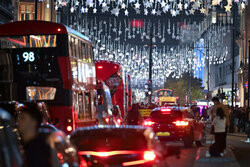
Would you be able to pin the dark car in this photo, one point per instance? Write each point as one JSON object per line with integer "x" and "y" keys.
{"x": 112, "y": 146}
{"x": 63, "y": 152}
{"x": 10, "y": 153}
{"x": 169, "y": 124}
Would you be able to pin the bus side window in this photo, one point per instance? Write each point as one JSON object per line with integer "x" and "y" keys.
{"x": 70, "y": 46}
{"x": 87, "y": 113}
{"x": 83, "y": 52}
{"x": 73, "y": 47}
{"x": 74, "y": 70}
{"x": 76, "y": 48}
{"x": 75, "y": 101}
{"x": 80, "y": 50}
{"x": 87, "y": 52}
{"x": 91, "y": 54}
{"x": 81, "y": 106}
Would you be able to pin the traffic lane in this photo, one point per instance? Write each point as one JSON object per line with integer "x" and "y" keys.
{"x": 187, "y": 156}
{"x": 240, "y": 149}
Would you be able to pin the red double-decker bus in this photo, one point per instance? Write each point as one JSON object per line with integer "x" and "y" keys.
{"x": 130, "y": 100}
{"x": 116, "y": 79}
{"x": 46, "y": 61}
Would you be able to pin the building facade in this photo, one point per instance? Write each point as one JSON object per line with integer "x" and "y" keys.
{"x": 243, "y": 43}
{"x": 6, "y": 11}
{"x": 220, "y": 47}
{"x": 45, "y": 10}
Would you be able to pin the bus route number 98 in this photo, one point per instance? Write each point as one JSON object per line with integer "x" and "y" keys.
{"x": 29, "y": 56}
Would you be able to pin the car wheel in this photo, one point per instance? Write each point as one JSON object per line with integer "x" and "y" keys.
{"x": 188, "y": 140}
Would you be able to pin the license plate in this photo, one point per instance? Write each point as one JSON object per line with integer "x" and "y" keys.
{"x": 163, "y": 134}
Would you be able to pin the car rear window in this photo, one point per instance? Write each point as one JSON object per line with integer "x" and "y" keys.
{"x": 110, "y": 141}
{"x": 162, "y": 115}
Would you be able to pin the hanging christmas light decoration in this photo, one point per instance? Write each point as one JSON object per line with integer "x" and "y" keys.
{"x": 147, "y": 7}
{"x": 115, "y": 43}
{"x": 126, "y": 40}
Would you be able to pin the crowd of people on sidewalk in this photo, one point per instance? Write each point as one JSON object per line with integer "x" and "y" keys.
{"x": 225, "y": 119}
{"x": 239, "y": 120}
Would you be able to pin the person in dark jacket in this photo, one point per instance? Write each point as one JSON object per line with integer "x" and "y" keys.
{"x": 36, "y": 149}
{"x": 134, "y": 117}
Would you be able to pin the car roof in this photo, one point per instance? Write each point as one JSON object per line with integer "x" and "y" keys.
{"x": 107, "y": 128}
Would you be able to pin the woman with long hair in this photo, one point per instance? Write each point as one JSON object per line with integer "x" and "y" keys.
{"x": 219, "y": 124}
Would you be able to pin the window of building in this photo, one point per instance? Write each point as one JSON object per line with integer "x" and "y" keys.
{"x": 26, "y": 11}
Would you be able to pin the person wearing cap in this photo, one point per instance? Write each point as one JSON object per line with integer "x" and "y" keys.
{"x": 37, "y": 151}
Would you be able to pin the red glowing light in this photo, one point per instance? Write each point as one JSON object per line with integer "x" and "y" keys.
{"x": 100, "y": 67}
{"x": 149, "y": 156}
{"x": 166, "y": 110}
{"x": 148, "y": 123}
{"x": 119, "y": 120}
{"x": 107, "y": 120}
{"x": 59, "y": 29}
{"x": 83, "y": 163}
{"x": 137, "y": 23}
{"x": 60, "y": 156}
{"x": 181, "y": 123}
{"x": 106, "y": 154}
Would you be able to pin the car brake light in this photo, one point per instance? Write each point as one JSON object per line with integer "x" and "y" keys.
{"x": 60, "y": 156}
{"x": 148, "y": 123}
{"x": 149, "y": 156}
{"x": 181, "y": 123}
{"x": 166, "y": 110}
{"x": 107, "y": 120}
{"x": 83, "y": 163}
{"x": 119, "y": 120}
{"x": 100, "y": 67}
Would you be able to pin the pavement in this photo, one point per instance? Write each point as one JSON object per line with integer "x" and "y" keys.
{"x": 238, "y": 134}
{"x": 228, "y": 160}
{"x": 202, "y": 160}
{"x": 240, "y": 149}
{"x": 236, "y": 154}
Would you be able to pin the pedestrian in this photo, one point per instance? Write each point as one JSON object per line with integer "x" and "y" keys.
{"x": 242, "y": 119}
{"x": 219, "y": 124}
{"x": 217, "y": 105}
{"x": 248, "y": 126}
{"x": 204, "y": 113}
{"x": 236, "y": 118}
{"x": 133, "y": 117}
{"x": 36, "y": 149}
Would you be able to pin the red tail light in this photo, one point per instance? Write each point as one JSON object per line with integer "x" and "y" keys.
{"x": 149, "y": 123}
{"x": 119, "y": 120}
{"x": 166, "y": 110}
{"x": 83, "y": 163}
{"x": 100, "y": 67}
{"x": 149, "y": 155}
{"x": 107, "y": 120}
{"x": 181, "y": 123}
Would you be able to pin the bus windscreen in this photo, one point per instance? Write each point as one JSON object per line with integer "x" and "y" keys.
{"x": 164, "y": 93}
{"x": 28, "y": 41}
